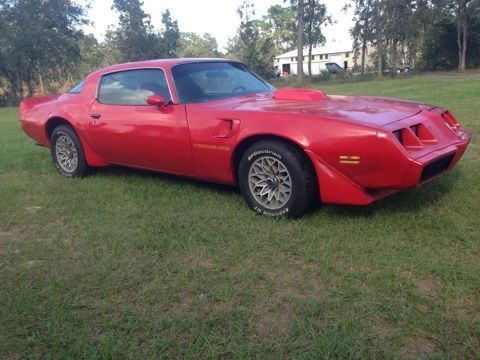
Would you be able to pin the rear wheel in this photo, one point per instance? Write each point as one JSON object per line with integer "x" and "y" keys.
{"x": 67, "y": 152}
{"x": 276, "y": 179}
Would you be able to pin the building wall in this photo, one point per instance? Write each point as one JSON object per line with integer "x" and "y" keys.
{"x": 345, "y": 60}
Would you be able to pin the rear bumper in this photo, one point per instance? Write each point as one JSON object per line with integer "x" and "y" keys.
{"x": 36, "y": 132}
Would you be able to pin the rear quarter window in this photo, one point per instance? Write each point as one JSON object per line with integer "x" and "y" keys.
{"x": 77, "y": 89}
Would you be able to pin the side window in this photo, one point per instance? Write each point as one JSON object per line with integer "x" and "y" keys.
{"x": 133, "y": 87}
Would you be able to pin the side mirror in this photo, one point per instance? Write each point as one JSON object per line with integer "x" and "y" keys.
{"x": 157, "y": 100}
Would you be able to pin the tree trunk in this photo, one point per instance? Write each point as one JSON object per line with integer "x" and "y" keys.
{"x": 462, "y": 34}
{"x": 40, "y": 82}
{"x": 459, "y": 44}
{"x": 380, "y": 44}
{"x": 380, "y": 63}
{"x": 364, "y": 53}
{"x": 16, "y": 87}
{"x": 310, "y": 50}
{"x": 31, "y": 88}
{"x": 300, "y": 13}
{"x": 463, "y": 59}
{"x": 380, "y": 56}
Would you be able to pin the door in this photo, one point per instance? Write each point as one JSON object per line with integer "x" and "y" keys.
{"x": 124, "y": 130}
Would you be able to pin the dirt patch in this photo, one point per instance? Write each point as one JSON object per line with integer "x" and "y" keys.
{"x": 33, "y": 209}
{"x": 419, "y": 347}
{"x": 196, "y": 261}
{"x": 383, "y": 329}
{"x": 180, "y": 308}
{"x": 10, "y": 235}
{"x": 428, "y": 287}
{"x": 275, "y": 316}
{"x": 3, "y": 240}
{"x": 188, "y": 303}
{"x": 293, "y": 282}
{"x": 19, "y": 233}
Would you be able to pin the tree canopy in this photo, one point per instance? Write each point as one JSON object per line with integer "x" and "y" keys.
{"x": 43, "y": 47}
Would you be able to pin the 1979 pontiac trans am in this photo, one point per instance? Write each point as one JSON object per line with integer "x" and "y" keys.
{"x": 218, "y": 121}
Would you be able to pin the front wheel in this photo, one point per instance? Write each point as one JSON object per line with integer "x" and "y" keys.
{"x": 67, "y": 152}
{"x": 276, "y": 179}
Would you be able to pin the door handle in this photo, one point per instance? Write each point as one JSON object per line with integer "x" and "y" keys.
{"x": 95, "y": 116}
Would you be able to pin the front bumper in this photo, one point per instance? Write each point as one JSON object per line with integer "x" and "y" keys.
{"x": 434, "y": 164}
{"x": 337, "y": 188}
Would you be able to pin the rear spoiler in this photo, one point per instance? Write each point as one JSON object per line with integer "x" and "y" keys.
{"x": 29, "y": 103}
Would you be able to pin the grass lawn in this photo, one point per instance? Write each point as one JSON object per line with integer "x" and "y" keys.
{"x": 126, "y": 264}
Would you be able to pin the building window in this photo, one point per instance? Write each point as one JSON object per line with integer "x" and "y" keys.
{"x": 293, "y": 59}
{"x": 296, "y": 58}
{"x": 326, "y": 56}
{"x": 321, "y": 57}
{"x": 347, "y": 54}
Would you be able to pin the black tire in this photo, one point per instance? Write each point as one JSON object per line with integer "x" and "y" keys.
{"x": 66, "y": 133}
{"x": 299, "y": 175}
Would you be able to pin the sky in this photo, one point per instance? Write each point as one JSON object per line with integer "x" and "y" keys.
{"x": 217, "y": 17}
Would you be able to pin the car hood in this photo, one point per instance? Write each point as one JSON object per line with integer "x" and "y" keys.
{"x": 372, "y": 111}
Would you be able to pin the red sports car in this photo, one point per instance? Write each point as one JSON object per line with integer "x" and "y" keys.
{"x": 218, "y": 121}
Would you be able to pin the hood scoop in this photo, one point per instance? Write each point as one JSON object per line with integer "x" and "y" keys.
{"x": 299, "y": 94}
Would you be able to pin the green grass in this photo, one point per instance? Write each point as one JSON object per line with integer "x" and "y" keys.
{"x": 126, "y": 264}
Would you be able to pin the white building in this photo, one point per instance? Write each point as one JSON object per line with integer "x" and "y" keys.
{"x": 338, "y": 52}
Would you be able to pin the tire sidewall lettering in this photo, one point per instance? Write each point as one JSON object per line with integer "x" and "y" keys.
{"x": 256, "y": 153}
{"x": 280, "y": 213}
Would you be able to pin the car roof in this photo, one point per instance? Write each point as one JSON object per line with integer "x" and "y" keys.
{"x": 166, "y": 64}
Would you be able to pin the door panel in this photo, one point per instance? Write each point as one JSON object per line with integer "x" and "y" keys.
{"x": 141, "y": 136}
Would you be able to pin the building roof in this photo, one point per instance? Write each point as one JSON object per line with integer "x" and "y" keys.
{"x": 330, "y": 47}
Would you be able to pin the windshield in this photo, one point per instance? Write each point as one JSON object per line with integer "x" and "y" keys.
{"x": 199, "y": 82}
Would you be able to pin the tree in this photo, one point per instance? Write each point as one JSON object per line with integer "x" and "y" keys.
{"x": 41, "y": 49}
{"x": 137, "y": 39}
{"x": 370, "y": 20}
{"x": 464, "y": 11}
{"x": 93, "y": 55}
{"x": 252, "y": 43}
{"x": 315, "y": 15}
{"x": 300, "y": 38}
{"x": 282, "y": 26}
{"x": 134, "y": 34}
{"x": 362, "y": 32}
{"x": 378, "y": 26}
{"x": 198, "y": 46}
{"x": 170, "y": 37}
{"x": 440, "y": 48}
